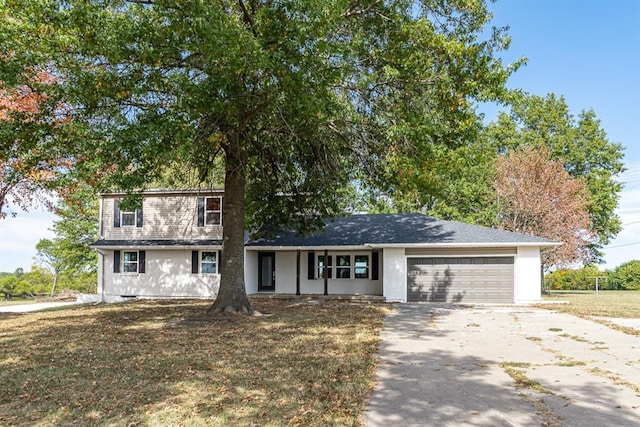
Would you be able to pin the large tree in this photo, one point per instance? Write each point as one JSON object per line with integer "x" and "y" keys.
{"x": 536, "y": 195}
{"x": 299, "y": 97}
{"x": 579, "y": 142}
{"x": 27, "y": 171}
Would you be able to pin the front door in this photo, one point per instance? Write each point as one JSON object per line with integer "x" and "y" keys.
{"x": 266, "y": 271}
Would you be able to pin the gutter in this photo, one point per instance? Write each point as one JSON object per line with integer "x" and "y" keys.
{"x": 406, "y": 245}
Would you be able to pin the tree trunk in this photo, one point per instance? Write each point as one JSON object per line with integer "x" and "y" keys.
{"x": 232, "y": 295}
{"x": 55, "y": 283}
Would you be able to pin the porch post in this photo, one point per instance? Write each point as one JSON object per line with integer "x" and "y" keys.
{"x": 298, "y": 272}
{"x": 326, "y": 272}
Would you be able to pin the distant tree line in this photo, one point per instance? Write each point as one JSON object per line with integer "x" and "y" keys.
{"x": 626, "y": 276}
{"x": 39, "y": 280}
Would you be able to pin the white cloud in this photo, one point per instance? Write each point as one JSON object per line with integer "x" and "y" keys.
{"x": 19, "y": 236}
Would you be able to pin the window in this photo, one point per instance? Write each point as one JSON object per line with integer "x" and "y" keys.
{"x": 213, "y": 211}
{"x": 343, "y": 266}
{"x": 130, "y": 262}
{"x": 321, "y": 267}
{"x": 361, "y": 267}
{"x": 127, "y": 218}
{"x": 209, "y": 263}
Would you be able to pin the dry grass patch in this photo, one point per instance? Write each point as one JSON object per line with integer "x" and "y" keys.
{"x": 623, "y": 304}
{"x": 160, "y": 363}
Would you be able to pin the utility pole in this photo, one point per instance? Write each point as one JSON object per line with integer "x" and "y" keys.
{"x": 597, "y": 278}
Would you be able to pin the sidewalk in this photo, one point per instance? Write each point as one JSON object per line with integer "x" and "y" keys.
{"x": 25, "y": 308}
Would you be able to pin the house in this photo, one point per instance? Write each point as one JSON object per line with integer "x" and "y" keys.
{"x": 172, "y": 245}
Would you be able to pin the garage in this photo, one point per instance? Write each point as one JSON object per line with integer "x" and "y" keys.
{"x": 461, "y": 279}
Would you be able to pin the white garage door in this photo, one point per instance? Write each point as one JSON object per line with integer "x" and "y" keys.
{"x": 460, "y": 279}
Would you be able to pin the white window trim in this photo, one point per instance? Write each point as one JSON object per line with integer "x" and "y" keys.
{"x": 368, "y": 267}
{"x": 206, "y": 210}
{"x": 352, "y": 267}
{"x": 135, "y": 218}
{"x": 324, "y": 266}
{"x": 123, "y": 263}
{"x": 215, "y": 253}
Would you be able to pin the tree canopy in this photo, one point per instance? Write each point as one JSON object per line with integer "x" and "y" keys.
{"x": 580, "y": 143}
{"x": 535, "y": 195}
{"x": 299, "y": 98}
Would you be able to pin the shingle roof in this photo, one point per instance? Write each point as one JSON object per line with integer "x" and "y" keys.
{"x": 397, "y": 229}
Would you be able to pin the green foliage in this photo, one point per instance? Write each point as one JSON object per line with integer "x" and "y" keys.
{"x": 626, "y": 276}
{"x": 579, "y": 142}
{"x": 298, "y": 98}
{"x": 574, "y": 279}
{"x": 38, "y": 281}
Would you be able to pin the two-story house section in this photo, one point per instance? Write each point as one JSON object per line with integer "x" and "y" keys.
{"x": 171, "y": 246}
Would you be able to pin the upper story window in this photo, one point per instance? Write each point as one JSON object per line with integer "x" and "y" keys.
{"x": 209, "y": 210}
{"x": 213, "y": 211}
{"x": 123, "y": 218}
{"x": 128, "y": 219}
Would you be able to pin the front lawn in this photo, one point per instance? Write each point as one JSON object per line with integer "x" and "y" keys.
{"x": 625, "y": 304}
{"x": 161, "y": 363}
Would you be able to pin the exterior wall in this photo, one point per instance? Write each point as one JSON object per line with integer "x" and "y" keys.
{"x": 168, "y": 274}
{"x": 394, "y": 274}
{"x": 527, "y": 275}
{"x": 170, "y": 216}
{"x": 251, "y": 271}
{"x": 286, "y": 275}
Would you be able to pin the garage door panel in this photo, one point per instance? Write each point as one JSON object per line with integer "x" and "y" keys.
{"x": 460, "y": 279}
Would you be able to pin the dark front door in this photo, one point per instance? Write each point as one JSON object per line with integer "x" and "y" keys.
{"x": 266, "y": 271}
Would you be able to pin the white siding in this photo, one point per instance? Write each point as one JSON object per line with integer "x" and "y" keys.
{"x": 168, "y": 274}
{"x": 527, "y": 275}
{"x": 164, "y": 217}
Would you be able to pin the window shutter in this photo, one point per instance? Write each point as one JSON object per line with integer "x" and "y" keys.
{"x": 311, "y": 265}
{"x": 116, "y": 213}
{"x": 374, "y": 265}
{"x": 141, "y": 261}
{"x": 116, "y": 261}
{"x": 195, "y": 259}
{"x": 219, "y": 263}
{"x": 139, "y": 217}
{"x": 200, "y": 211}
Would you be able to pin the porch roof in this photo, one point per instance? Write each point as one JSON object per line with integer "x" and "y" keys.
{"x": 158, "y": 244}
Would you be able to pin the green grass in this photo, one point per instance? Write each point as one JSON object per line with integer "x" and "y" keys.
{"x": 624, "y": 304}
{"x": 161, "y": 363}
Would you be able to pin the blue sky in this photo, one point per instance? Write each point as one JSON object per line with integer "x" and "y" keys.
{"x": 585, "y": 50}
{"x": 589, "y": 52}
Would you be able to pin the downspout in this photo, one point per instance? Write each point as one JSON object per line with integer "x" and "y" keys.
{"x": 298, "y": 272}
{"x": 100, "y": 277}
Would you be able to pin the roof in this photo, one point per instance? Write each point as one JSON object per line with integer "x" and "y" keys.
{"x": 154, "y": 243}
{"x": 388, "y": 230}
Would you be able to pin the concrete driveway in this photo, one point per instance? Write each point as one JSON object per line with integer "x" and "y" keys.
{"x": 503, "y": 366}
